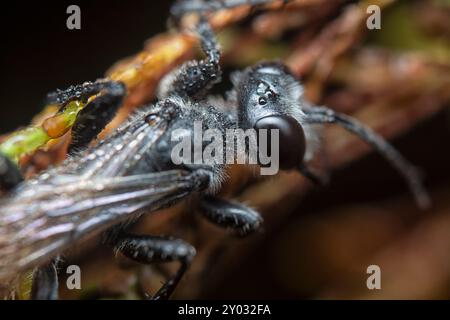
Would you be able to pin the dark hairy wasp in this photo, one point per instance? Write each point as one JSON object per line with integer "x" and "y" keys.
{"x": 106, "y": 188}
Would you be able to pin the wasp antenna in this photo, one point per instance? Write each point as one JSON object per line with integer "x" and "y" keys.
{"x": 410, "y": 173}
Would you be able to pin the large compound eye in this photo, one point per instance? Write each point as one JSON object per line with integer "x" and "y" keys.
{"x": 292, "y": 142}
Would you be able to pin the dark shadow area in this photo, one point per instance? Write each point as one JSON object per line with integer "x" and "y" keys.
{"x": 39, "y": 54}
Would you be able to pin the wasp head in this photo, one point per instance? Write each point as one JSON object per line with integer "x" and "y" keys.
{"x": 268, "y": 97}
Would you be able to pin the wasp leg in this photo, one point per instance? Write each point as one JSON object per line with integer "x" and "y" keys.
{"x": 195, "y": 78}
{"x": 313, "y": 176}
{"x": 241, "y": 219}
{"x": 410, "y": 173}
{"x": 10, "y": 175}
{"x": 152, "y": 249}
{"x": 45, "y": 282}
{"x": 98, "y": 112}
{"x": 182, "y": 7}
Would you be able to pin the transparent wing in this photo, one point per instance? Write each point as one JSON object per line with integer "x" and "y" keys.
{"x": 42, "y": 220}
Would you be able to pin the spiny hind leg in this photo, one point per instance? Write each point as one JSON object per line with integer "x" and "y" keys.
{"x": 97, "y": 113}
{"x": 157, "y": 249}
